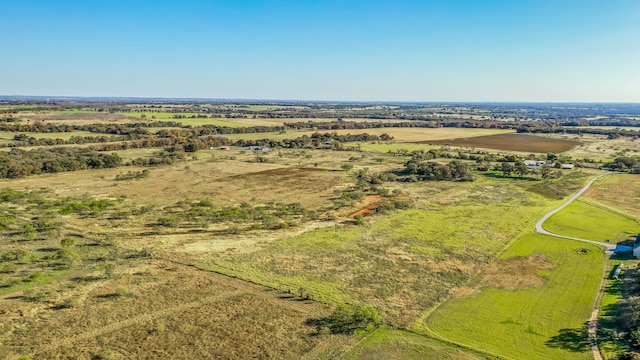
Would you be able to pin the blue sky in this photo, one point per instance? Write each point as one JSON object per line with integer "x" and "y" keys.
{"x": 471, "y": 50}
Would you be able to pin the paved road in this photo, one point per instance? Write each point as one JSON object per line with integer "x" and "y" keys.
{"x": 540, "y": 229}
{"x": 593, "y": 320}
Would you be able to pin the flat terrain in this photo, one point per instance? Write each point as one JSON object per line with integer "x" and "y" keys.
{"x": 402, "y": 345}
{"x": 520, "y": 307}
{"x": 395, "y": 262}
{"x": 199, "y": 252}
{"x": 158, "y": 309}
{"x": 421, "y": 134}
{"x": 593, "y": 222}
{"x": 513, "y": 142}
{"x": 619, "y": 191}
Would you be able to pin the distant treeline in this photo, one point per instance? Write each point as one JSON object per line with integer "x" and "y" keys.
{"x": 20, "y": 163}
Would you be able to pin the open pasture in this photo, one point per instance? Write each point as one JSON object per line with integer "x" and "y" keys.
{"x": 387, "y": 344}
{"x": 77, "y": 117}
{"x": 592, "y": 221}
{"x": 512, "y": 142}
{"x": 543, "y": 318}
{"x": 403, "y": 263}
{"x": 61, "y": 135}
{"x": 620, "y": 191}
{"x": 598, "y": 147}
{"x": 420, "y": 134}
{"x": 290, "y": 176}
{"x": 166, "y": 309}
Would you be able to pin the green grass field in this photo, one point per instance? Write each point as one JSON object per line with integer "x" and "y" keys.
{"x": 590, "y": 221}
{"x": 542, "y": 322}
{"x": 387, "y": 344}
{"x": 403, "y": 263}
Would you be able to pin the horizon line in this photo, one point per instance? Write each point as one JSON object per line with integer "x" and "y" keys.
{"x": 202, "y": 99}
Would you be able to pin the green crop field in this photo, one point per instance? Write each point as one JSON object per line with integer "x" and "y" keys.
{"x": 387, "y": 344}
{"x": 540, "y": 318}
{"x": 593, "y": 222}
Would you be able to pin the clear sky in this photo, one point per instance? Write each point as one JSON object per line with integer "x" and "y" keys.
{"x": 447, "y": 50}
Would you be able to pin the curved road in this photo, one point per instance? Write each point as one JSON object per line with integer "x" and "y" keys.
{"x": 540, "y": 229}
{"x": 593, "y": 320}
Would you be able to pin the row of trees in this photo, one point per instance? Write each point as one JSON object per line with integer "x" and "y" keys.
{"x": 19, "y": 163}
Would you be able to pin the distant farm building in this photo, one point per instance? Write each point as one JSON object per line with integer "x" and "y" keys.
{"x": 534, "y": 164}
{"x": 567, "y": 166}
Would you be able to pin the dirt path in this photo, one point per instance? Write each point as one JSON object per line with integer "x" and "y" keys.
{"x": 592, "y": 324}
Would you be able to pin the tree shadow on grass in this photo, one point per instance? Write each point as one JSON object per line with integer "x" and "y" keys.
{"x": 574, "y": 340}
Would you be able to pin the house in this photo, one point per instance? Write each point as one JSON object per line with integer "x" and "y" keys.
{"x": 259, "y": 148}
{"x": 533, "y": 164}
{"x": 636, "y": 246}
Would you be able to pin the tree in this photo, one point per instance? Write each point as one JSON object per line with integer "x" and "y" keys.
{"x": 507, "y": 168}
{"x": 520, "y": 168}
{"x": 545, "y": 171}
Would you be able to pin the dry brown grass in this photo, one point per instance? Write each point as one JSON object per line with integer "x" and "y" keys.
{"x": 620, "y": 191}
{"x": 225, "y": 182}
{"x": 160, "y": 310}
{"x": 516, "y": 273}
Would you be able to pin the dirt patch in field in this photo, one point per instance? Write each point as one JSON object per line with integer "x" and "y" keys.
{"x": 511, "y": 142}
{"x": 280, "y": 172}
{"x": 369, "y": 204}
{"x": 163, "y": 311}
{"x": 520, "y": 272}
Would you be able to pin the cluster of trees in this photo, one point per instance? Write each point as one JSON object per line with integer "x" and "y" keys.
{"x": 19, "y": 163}
{"x": 133, "y": 175}
{"x": 610, "y": 133}
{"x": 270, "y": 216}
{"x": 625, "y": 163}
{"x": 431, "y": 170}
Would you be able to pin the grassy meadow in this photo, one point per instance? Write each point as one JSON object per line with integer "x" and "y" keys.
{"x": 405, "y": 262}
{"x": 590, "y": 221}
{"x": 520, "y": 308}
{"x": 390, "y": 344}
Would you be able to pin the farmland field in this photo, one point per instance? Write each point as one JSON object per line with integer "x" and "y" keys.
{"x": 588, "y": 220}
{"x": 520, "y": 307}
{"x": 400, "y": 345}
{"x": 420, "y": 134}
{"x": 512, "y": 142}
{"x": 190, "y": 244}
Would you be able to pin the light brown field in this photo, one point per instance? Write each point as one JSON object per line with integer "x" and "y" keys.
{"x": 420, "y": 134}
{"x": 159, "y": 309}
{"x": 620, "y": 191}
{"x": 512, "y": 142}
{"x": 226, "y": 182}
